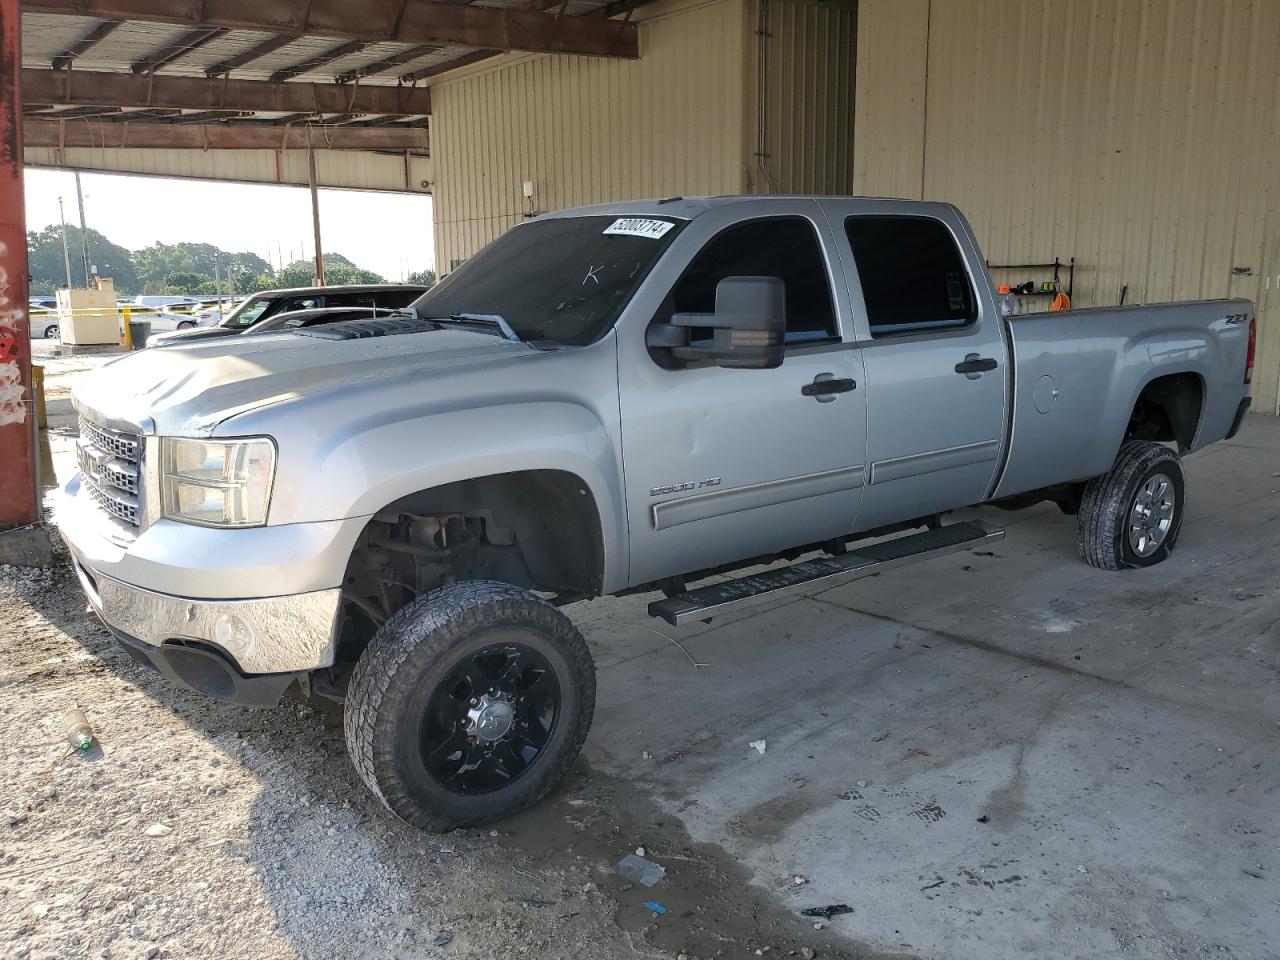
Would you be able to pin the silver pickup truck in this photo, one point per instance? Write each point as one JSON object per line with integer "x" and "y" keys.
{"x": 707, "y": 399}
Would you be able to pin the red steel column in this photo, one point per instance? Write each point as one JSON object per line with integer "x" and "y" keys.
{"x": 19, "y": 503}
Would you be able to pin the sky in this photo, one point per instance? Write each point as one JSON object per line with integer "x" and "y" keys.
{"x": 388, "y": 233}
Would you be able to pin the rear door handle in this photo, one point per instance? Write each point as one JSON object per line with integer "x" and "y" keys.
{"x": 973, "y": 366}
{"x": 824, "y": 385}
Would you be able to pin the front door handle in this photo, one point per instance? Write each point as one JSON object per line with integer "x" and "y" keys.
{"x": 824, "y": 386}
{"x": 974, "y": 366}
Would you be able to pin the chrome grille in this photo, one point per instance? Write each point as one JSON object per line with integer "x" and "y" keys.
{"x": 121, "y": 445}
{"x": 111, "y": 463}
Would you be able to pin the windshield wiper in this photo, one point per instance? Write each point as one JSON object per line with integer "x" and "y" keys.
{"x": 486, "y": 320}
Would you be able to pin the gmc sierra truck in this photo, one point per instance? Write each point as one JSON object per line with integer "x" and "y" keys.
{"x": 709, "y": 399}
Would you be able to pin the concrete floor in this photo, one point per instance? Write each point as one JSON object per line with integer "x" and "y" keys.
{"x": 985, "y": 756}
{"x": 992, "y": 756}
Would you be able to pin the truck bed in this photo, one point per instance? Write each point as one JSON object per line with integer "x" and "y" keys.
{"x": 1077, "y": 375}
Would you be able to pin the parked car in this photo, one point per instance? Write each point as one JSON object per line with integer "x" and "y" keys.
{"x": 43, "y": 322}
{"x": 159, "y": 302}
{"x": 621, "y": 398}
{"x": 165, "y": 319}
{"x": 209, "y": 314}
{"x": 261, "y": 306}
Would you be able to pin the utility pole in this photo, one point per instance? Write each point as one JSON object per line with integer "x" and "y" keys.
{"x": 66, "y": 257}
{"x": 84, "y": 232}
{"x": 217, "y": 282}
{"x": 315, "y": 215}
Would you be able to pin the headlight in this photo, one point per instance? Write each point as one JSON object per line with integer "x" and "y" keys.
{"x": 217, "y": 483}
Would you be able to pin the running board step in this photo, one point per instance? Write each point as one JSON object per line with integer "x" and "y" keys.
{"x": 865, "y": 561}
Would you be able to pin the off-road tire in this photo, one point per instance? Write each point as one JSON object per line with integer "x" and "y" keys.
{"x": 405, "y": 661}
{"x": 1101, "y": 534}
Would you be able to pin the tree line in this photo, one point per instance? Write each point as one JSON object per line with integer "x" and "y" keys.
{"x": 178, "y": 268}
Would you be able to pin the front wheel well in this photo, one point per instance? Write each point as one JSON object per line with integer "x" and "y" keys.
{"x": 1168, "y": 411}
{"x": 537, "y": 529}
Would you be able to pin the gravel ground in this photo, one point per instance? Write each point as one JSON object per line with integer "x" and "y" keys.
{"x": 200, "y": 829}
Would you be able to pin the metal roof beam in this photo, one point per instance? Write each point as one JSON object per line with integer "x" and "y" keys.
{"x": 219, "y": 136}
{"x": 88, "y": 89}
{"x": 390, "y": 63}
{"x": 83, "y": 45}
{"x": 318, "y": 61}
{"x": 192, "y": 40}
{"x": 426, "y": 73}
{"x": 415, "y": 21}
{"x": 82, "y": 112}
{"x": 269, "y": 45}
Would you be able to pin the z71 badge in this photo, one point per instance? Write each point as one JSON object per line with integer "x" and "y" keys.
{"x": 680, "y": 487}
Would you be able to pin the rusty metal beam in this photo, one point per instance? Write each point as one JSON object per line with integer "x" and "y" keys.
{"x": 84, "y": 89}
{"x": 492, "y": 28}
{"x": 318, "y": 61}
{"x": 19, "y": 503}
{"x": 83, "y": 45}
{"x": 192, "y": 40}
{"x": 220, "y": 136}
{"x": 269, "y": 45}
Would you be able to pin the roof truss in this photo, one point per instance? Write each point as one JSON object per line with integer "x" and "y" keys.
{"x": 83, "y": 132}
{"x": 82, "y": 88}
{"x": 406, "y": 21}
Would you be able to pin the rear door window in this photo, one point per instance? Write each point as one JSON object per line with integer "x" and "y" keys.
{"x": 296, "y": 303}
{"x": 349, "y": 300}
{"x": 395, "y": 299}
{"x": 912, "y": 274}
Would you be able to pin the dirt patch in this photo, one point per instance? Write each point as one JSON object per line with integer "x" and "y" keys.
{"x": 201, "y": 829}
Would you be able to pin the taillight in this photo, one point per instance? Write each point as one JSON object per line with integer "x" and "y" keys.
{"x": 1253, "y": 348}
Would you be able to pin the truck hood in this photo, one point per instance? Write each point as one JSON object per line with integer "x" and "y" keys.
{"x": 189, "y": 390}
{"x": 190, "y": 336}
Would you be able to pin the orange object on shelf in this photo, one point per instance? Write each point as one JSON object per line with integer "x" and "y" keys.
{"x": 1004, "y": 288}
{"x": 1060, "y": 302}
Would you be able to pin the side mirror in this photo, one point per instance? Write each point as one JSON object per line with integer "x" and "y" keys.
{"x": 747, "y": 331}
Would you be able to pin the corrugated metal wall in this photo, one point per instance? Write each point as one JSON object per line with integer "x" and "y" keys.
{"x": 1140, "y": 136}
{"x": 681, "y": 120}
{"x": 589, "y": 130}
{"x": 806, "y": 142}
{"x": 888, "y": 139}
{"x": 334, "y": 168}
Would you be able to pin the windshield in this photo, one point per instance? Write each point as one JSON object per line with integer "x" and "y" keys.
{"x": 245, "y": 314}
{"x": 563, "y": 280}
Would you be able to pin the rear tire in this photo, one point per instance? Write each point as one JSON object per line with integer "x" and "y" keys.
{"x": 186, "y": 324}
{"x": 469, "y": 704}
{"x": 51, "y": 331}
{"x": 1131, "y": 515}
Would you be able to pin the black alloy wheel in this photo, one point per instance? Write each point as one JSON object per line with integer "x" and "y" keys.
{"x": 490, "y": 719}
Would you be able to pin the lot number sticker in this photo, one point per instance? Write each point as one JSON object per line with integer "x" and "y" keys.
{"x": 638, "y": 227}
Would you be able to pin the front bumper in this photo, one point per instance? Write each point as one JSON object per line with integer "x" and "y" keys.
{"x": 263, "y": 635}
{"x": 235, "y": 614}
{"x": 207, "y": 672}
